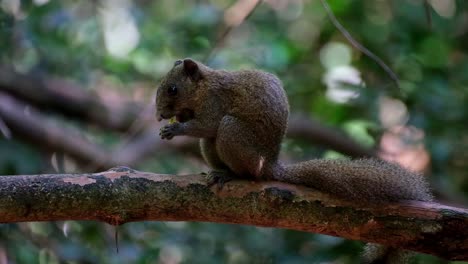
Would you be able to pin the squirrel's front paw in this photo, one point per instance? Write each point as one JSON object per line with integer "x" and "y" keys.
{"x": 169, "y": 131}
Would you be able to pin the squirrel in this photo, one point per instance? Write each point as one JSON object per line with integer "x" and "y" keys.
{"x": 241, "y": 118}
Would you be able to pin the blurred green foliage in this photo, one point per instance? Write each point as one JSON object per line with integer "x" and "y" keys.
{"x": 124, "y": 43}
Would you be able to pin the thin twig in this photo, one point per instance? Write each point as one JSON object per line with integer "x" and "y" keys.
{"x": 427, "y": 9}
{"x": 358, "y": 45}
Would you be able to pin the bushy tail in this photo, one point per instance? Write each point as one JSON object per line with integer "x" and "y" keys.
{"x": 378, "y": 254}
{"x": 364, "y": 180}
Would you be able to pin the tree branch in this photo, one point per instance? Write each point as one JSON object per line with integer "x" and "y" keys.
{"x": 123, "y": 195}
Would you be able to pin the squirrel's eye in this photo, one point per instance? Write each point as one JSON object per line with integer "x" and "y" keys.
{"x": 172, "y": 90}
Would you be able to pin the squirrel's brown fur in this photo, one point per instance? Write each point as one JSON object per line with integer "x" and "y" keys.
{"x": 241, "y": 118}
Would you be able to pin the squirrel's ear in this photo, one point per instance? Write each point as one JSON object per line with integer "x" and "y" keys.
{"x": 192, "y": 70}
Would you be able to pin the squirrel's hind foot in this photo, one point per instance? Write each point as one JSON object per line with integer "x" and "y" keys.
{"x": 218, "y": 177}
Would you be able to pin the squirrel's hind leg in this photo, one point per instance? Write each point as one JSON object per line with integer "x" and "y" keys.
{"x": 208, "y": 151}
{"x": 237, "y": 146}
{"x": 220, "y": 172}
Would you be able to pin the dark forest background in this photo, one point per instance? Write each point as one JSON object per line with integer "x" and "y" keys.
{"x": 77, "y": 85}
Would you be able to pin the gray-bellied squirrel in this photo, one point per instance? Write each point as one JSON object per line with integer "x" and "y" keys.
{"x": 241, "y": 118}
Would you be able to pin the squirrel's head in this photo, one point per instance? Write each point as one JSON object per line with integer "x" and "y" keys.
{"x": 177, "y": 89}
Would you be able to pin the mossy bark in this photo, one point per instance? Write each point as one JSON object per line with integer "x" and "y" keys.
{"x": 123, "y": 195}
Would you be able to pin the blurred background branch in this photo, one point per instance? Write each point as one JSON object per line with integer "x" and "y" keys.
{"x": 27, "y": 124}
